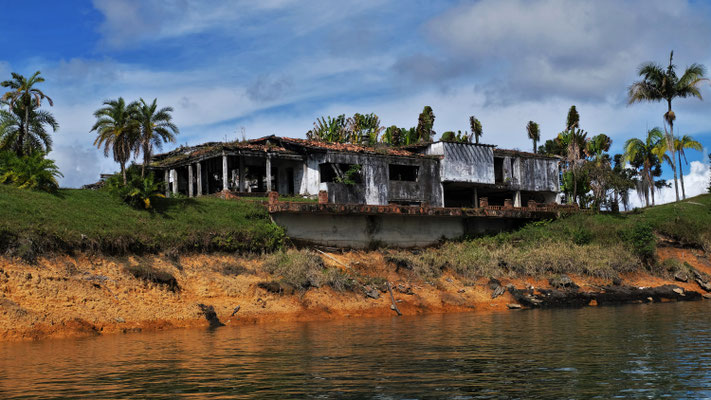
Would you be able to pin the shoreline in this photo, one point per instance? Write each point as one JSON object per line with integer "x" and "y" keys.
{"x": 68, "y": 297}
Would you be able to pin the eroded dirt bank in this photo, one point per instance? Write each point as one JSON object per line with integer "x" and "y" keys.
{"x": 77, "y": 296}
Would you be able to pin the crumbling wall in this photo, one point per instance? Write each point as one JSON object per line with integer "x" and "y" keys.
{"x": 538, "y": 174}
{"x": 464, "y": 162}
{"x": 376, "y": 187}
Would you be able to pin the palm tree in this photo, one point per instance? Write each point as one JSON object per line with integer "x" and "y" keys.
{"x": 156, "y": 128}
{"x": 476, "y": 128}
{"x": 425, "y": 122}
{"x": 574, "y": 141}
{"x": 658, "y": 84}
{"x": 24, "y": 138}
{"x": 644, "y": 153}
{"x": 118, "y": 131}
{"x": 685, "y": 142}
{"x": 534, "y": 133}
{"x": 22, "y": 95}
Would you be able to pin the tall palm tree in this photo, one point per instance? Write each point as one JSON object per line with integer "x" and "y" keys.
{"x": 117, "y": 130}
{"x": 644, "y": 153}
{"x": 685, "y": 142}
{"x": 534, "y": 133}
{"x": 157, "y": 127}
{"x": 24, "y": 138}
{"x": 24, "y": 95}
{"x": 476, "y": 128}
{"x": 574, "y": 141}
{"x": 658, "y": 84}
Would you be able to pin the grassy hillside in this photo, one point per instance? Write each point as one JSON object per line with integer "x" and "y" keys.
{"x": 600, "y": 245}
{"x": 33, "y": 223}
{"x": 36, "y": 222}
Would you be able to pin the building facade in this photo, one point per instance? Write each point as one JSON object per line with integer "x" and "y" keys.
{"x": 440, "y": 174}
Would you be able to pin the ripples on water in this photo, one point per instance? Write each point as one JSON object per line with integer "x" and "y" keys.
{"x": 641, "y": 351}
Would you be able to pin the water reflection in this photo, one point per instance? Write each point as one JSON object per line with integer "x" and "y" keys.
{"x": 644, "y": 351}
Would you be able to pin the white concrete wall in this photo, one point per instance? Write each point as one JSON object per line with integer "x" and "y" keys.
{"x": 538, "y": 174}
{"x": 464, "y": 162}
{"x": 363, "y": 231}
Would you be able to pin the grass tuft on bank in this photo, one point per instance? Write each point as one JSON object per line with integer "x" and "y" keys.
{"x": 35, "y": 223}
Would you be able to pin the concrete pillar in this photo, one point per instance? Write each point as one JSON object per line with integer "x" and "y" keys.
{"x": 242, "y": 183}
{"x": 517, "y": 199}
{"x": 190, "y": 180}
{"x": 174, "y": 174}
{"x": 166, "y": 179}
{"x": 199, "y": 179}
{"x": 269, "y": 174}
{"x": 476, "y": 198}
{"x": 224, "y": 172}
{"x": 322, "y": 197}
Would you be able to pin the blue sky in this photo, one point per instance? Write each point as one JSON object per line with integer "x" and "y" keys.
{"x": 274, "y": 66}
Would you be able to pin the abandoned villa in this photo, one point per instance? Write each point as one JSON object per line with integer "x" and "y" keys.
{"x": 440, "y": 174}
{"x": 399, "y": 196}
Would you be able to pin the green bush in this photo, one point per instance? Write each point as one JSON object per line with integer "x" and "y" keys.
{"x": 138, "y": 191}
{"x": 35, "y": 171}
{"x": 642, "y": 241}
{"x": 582, "y": 236}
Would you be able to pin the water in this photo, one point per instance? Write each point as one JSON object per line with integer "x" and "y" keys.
{"x": 637, "y": 351}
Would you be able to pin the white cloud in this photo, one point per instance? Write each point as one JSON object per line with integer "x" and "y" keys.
{"x": 129, "y": 22}
{"x": 580, "y": 50}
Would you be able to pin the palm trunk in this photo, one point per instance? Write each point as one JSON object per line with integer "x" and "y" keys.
{"x": 534, "y": 146}
{"x": 681, "y": 177}
{"x": 145, "y": 160}
{"x": 650, "y": 180}
{"x": 123, "y": 172}
{"x": 670, "y": 144}
{"x": 27, "y": 128}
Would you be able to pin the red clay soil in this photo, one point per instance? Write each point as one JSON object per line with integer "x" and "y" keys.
{"x": 80, "y": 296}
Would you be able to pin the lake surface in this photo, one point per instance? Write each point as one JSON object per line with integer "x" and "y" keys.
{"x": 636, "y": 351}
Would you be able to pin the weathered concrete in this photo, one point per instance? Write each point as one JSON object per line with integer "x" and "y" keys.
{"x": 225, "y": 183}
{"x": 362, "y": 226}
{"x": 363, "y": 231}
{"x": 268, "y": 171}
{"x": 199, "y": 179}
{"x": 464, "y": 162}
{"x": 190, "y": 180}
{"x": 174, "y": 175}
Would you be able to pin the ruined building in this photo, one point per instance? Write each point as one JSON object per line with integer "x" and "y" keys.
{"x": 440, "y": 174}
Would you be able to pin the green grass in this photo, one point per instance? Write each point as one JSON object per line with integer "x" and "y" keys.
{"x": 35, "y": 222}
{"x": 600, "y": 245}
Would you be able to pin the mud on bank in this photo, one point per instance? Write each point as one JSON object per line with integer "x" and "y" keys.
{"x": 68, "y": 296}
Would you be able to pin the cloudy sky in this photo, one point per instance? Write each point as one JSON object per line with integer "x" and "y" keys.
{"x": 274, "y": 66}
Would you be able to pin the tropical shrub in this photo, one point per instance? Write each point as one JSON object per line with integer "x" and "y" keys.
{"x": 138, "y": 191}
{"x": 34, "y": 171}
{"x": 642, "y": 240}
